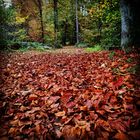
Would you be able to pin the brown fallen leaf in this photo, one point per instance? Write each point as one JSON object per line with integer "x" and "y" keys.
{"x": 12, "y": 130}
{"x": 14, "y": 122}
{"x": 55, "y": 106}
{"x": 103, "y": 124}
{"x": 58, "y": 133}
{"x": 24, "y": 123}
{"x": 74, "y": 133}
{"x": 60, "y": 114}
{"x": 3, "y": 132}
{"x": 24, "y": 93}
{"x": 54, "y": 98}
{"x": 118, "y": 125}
{"x": 135, "y": 134}
{"x": 70, "y": 104}
{"x": 32, "y": 97}
{"x": 89, "y": 104}
{"x": 83, "y": 108}
{"x": 65, "y": 98}
{"x": 138, "y": 104}
{"x": 4, "y": 138}
{"x": 121, "y": 136}
{"x": 38, "y": 128}
{"x": 23, "y": 108}
{"x": 34, "y": 109}
{"x": 103, "y": 135}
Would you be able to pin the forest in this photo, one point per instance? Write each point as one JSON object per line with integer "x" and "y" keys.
{"x": 69, "y": 70}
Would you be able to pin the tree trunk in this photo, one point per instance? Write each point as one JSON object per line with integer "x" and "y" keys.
{"x": 77, "y": 24}
{"x": 130, "y": 35}
{"x": 55, "y": 23}
{"x": 41, "y": 19}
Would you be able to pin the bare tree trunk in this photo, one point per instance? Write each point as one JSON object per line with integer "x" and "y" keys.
{"x": 77, "y": 23}
{"x": 41, "y": 19}
{"x": 130, "y": 35}
{"x": 55, "y": 23}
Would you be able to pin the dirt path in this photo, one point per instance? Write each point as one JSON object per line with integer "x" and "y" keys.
{"x": 69, "y": 49}
{"x": 64, "y": 50}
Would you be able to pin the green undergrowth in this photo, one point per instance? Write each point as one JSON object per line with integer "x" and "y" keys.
{"x": 24, "y": 49}
{"x": 28, "y": 46}
{"x": 95, "y": 48}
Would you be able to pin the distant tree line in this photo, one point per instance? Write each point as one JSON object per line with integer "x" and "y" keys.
{"x": 110, "y": 23}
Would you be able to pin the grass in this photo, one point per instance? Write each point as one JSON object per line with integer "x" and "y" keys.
{"x": 96, "y": 48}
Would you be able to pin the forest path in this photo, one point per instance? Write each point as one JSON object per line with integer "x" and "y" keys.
{"x": 63, "y": 50}
{"x": 70, "y": 49}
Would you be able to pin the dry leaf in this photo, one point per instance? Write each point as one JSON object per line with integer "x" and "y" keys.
{"x": 121, "y": 136}
{"x": 32, "y": 97}
{"x": 60, "y": 114}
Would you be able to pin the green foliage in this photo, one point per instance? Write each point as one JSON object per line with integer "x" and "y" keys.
{"x": 103, "y": 23}
{"x": 134, "y": 69}
{"x": 111, "y": 31}
{"x": 96, "y": 48}
{"x": 82, "y": 45}
{"x": 99, "y": 23}
{"x": 12, "y": 30}
{"x": 129, "y": 60}
{"x": 25, "y": 46}
{"x": 87, "y": 36}
{"x": 3, "y": 20}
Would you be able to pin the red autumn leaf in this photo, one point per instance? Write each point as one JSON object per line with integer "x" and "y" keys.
{"x": 118, "y": 82}
{"x": 54, "y": 98}
{"x": 135, "y": 134}
{"x": 121, "y": 136}
{"x": 70, "y": 104}
{"x": 89, "y": 104}
{"x": 104, "y": 124}
{"x": 65, "y": 98}
{"x": 32, "y": 97}
{"x": 38, "y": 128}
{"x": 118, "y": 125}
{"x": 69, "y": 96}
{"x": 58, "y": 133}
{"x": 60, "y": 114}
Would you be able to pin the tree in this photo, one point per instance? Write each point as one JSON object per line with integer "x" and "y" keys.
{"x": 77, "y": 23}
{"x": 2, "y": 23}
{"x": 55, "y": 23}
{"x": 130, "y": 34}
{"x": 41, "y": 19}
{"x": 32, "y": 9}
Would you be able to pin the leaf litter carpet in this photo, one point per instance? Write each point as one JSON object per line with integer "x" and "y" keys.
{"x": 70, "y": 96}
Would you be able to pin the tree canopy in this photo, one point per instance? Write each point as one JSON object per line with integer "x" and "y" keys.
{"x": 81, "y": 22}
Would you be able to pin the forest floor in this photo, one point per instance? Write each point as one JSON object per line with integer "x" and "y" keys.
{"x": 69, "y": 94}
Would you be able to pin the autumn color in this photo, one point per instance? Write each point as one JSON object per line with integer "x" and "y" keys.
{"x": 70, "y": 96}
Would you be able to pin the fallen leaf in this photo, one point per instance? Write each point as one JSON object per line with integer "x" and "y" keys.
{"x": 83, "y": 108}
{"x": 60, "y": 114}
{"x": 12, "y": 130}
{"x": 135, "y": 134}
{"x": 58, "y": 133}
{"x": 32, "y": 97}
{"x": 121, "y": 136}
{"x": 38, "y": 128}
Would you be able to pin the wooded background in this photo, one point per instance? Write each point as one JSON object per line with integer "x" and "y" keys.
{"x": 108, "y": 23}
